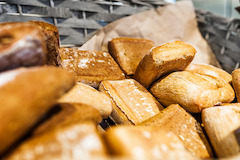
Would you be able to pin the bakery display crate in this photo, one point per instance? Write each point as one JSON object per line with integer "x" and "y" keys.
{"x": 78, "y": 20}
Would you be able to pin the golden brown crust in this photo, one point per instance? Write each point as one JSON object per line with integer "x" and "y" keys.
{"x": 145, "y": 142}
{"x": 21, "y": 44}
{"x": 132, "y": 103}
{"x": 163, "y": 59}
{"x": 117, "y": 116}
{"x": 220, "y": 123}
{"x": 175, "y": 119}
{"x": 209, "y": 70}
{"x": 84, "y": 94}
{"x": 65, "y": 114}
{"x": 192, "y": 91}
{"x": 27, "y": 94}
{"x": 236, "y": 83}
{"x": 51, "y": 38}
{"x": 75, "y": 141}
{"x": 90, "y": 67}
{"x": 128, "y": 52}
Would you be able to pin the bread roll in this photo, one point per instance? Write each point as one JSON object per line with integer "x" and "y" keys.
{"x": 75, "y": 142}
{"x": 236, "y": 83}
{"x": 139, "y": 142}
{"x": 128, "y": 52}
{"x": 206, "y": 69}
{"x": 174, "y": 56}
{"x": 192, "y": 91}
{"x": 220, "y": 124}
{"x": 67, "y": 113}
{"x": 131, "y": 102}
{"x": 51, "y": 38}
{"x": 25, "y": 96}
{"x": 84, "y": 94}
{"x": 175, "y": 119}
{"x": 21, "y": 44}
{"x": 90, "y": 67}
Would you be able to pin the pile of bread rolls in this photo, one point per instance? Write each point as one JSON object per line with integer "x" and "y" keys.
{"x": 137, "y": 101}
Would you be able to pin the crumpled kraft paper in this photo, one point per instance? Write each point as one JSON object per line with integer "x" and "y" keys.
{"x": 161, "y": 25}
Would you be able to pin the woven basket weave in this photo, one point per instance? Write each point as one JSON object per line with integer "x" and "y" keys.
{"x": 79, "y": 20}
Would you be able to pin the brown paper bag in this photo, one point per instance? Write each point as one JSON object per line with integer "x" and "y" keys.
{"x": 161, "y": 25}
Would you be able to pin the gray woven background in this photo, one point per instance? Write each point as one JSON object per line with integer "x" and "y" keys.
{"x": 78, "y": 20}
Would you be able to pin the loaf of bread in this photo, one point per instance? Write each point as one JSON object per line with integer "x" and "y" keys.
{"x": 84, "y": 94}
{"x": 128, "y": 52}
{"x": 177, "y": 120}
{"x": 142, "y": 142}
{"x": 161, "y": 60}
{"x": 90, "y": 67}
{"x": 192, "y": 91}
{"x": 206, "y": 69}
{"x": 220, "y": 124}
{"x": 51, "y": 39}
{"x": 64, "y": 114}
{"x": 25, "y": 96}
{"x": 131, "y": 102}
{"x": 75, "y": 141}
{"x": 21, "y": 44}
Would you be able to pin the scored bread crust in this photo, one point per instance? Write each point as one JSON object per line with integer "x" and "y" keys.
{"x": 163, "y": 59}
{"x": 132, "y": 103}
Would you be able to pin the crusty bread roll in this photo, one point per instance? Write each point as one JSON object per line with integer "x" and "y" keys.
{"x": 84, "y": 94}
{"x": 67, "y": 113}
{"x": 131, "y": 102}
{"x": 174, "y": 56}
{"x": 192, "y": 91}
{"x": 75, "y": 141}
{"x": 220, "y": 124}
{"x": 177, "y": 120}
{"x": 21, "y": 44}
{"x": 90, "y": 67}
{"x": 51, "y": 38}
{"x": 236, "y": 83}
{"x": 128, "y": 52}
{"x": 209, "y": 70}
{"x": 25, "y": 96}
{"x": 145, "y": 142}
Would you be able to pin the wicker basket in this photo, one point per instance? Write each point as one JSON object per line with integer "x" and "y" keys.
{"x": 79, "y": 20}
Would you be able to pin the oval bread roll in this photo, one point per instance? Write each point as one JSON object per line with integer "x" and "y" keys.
{"x": 192, "y": 91}
{"x": 162, "y": 60}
